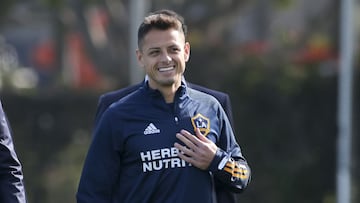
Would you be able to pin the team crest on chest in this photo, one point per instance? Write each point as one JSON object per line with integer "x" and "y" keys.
{"x": 201, "y": 122}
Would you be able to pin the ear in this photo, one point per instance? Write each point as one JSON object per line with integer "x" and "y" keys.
{"x": 187, "y": 51}
{"x": 139, "y": 57}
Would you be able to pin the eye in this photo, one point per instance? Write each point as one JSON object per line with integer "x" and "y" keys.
{"x": 175, "y": 49}
{"x": 154, "y": 52}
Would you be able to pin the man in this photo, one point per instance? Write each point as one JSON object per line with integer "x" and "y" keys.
{"x": 11, "y": 177}
{"x": 164, "y": 142}
{"x": 223, "y": 195}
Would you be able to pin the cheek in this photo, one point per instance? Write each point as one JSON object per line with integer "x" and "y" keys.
{"x": 149, "y": 65}
{"x": 148, "y": 62}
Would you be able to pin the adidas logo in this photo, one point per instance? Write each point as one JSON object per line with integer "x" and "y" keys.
{"x": 151, "y": 129}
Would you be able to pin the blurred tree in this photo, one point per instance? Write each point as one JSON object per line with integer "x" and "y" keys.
{"x": 5, "y": 6}
{"x": 280, "y": 119}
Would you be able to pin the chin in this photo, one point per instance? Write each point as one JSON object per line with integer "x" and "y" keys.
{"x": 168, "y": 84}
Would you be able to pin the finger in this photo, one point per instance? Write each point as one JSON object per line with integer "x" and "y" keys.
{"x": 190, "y": 137}
{"x": 188, "y": 159}
{"x": 200, "y": 135}
{"x": 193, "y": 160}
{"x": 186, "y": 140}
{"x": 184, "y": 150}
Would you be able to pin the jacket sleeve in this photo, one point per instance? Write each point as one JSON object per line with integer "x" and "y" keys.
{"x": 12, "y": 188}
{"x": 229, "y": 166}
{"x": 101, "y": 167}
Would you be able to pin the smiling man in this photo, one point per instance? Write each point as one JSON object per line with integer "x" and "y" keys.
{"x": 163, "y": 53}
{"x": 164, "y": 142}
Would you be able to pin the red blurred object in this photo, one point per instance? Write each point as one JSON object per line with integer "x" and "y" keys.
{"x": 314, "y": 54}
{"x": 255, "y": 48}
{"x": 85, "y": 74}
{"x": 43, "y": 56}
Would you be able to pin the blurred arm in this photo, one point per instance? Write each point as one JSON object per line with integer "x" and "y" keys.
{"x": 11, "y": 177}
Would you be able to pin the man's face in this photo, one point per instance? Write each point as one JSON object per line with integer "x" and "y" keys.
{"x": 163, "y": 55}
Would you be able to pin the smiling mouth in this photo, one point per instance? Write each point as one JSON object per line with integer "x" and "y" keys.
{"x": 164, "y": 69}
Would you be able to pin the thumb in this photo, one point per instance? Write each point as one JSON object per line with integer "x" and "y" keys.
{"x": 200, "y": 135}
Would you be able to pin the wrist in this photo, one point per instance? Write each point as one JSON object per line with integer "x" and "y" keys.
{"x": 220, "y": 155}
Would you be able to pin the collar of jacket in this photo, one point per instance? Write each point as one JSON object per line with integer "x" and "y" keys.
{"x": 181, "y": 92}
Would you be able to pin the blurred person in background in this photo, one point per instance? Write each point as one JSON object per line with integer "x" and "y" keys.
{"x": 124, "y": 166}
{"x": 12, "y": 188}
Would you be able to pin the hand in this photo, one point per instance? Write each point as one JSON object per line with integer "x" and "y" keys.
{"x": 198, "y": 150}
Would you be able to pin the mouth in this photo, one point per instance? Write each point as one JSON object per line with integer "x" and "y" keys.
{"x": 165, "y": 69}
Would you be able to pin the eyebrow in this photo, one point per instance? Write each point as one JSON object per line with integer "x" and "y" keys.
{"x": 171, "y": 46}
{"x": 153, "y": 48}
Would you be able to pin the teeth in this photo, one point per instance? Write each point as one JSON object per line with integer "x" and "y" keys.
{"x": 166, "y": 69}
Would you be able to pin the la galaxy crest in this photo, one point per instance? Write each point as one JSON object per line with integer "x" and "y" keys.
{"x": 201, "y": 122}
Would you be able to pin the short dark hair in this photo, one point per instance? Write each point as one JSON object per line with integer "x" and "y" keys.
{"x": 163, "y": 20}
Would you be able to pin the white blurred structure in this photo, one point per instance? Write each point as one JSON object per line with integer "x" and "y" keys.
{"x": 138, "y": 10}
{"x": 344, "y": 149}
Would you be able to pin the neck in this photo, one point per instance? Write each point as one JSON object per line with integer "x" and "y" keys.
{"x": 168, "y": 92}
{"x": 168, "y": 95}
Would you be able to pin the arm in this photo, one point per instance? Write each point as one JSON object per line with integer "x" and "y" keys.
{"x": 11, "y": 177}
{"x": 232, "y": 161}
{"x": 229, "y": 165}
{"x": 101, "y": 167}
{"x": 224, "y": 159}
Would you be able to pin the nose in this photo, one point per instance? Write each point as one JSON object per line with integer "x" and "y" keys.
{"x": 166, "y": 58}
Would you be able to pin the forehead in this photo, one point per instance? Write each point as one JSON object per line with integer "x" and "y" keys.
{"x": 156, "y": 38}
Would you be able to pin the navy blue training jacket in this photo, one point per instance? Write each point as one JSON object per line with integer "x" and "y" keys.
{"x": 132, "y": 158}
{"x": 223, "y": 194}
